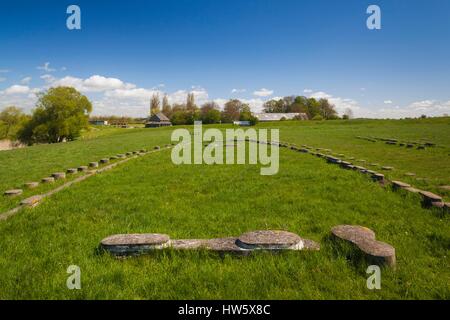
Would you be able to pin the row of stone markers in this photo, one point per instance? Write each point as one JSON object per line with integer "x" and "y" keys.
{"x": 363, "y": 239}
{"x": 88, "y": 171}
{"x": 429, "y": 199}
{"x": 407, "y": 144}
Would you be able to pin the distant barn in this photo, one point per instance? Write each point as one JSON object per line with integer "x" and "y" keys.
{"x": 280, "y": 116}
{"x": 98, "y": 122}
{"x": 158, "y": 120}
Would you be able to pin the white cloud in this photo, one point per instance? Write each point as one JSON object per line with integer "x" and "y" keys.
{"x": 387, "y": 102}
{"x": 341, "y": 104}
{"x": 4, "y": 70}
{"x": 238, "y": 90}
{"x": 25, "y": 80}
{"x": 94, "y": 83}
{"x": 48, "y": 78}
{"x": 263, "y": 92}
{"x": 307, "y": 91}
{"x": 45, "y": 67}
{"x": 17, "y": 89}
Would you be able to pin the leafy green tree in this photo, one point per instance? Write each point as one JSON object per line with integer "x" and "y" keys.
{"x": 245, "y": 114}
{"x": 327, "y": 110}
{"x": 12, "y": 120}
{"x": 177, "y": 117}
{"x": 60, "y": 115}
{"x": 232, "y": 110}
{"x": 210, "y": 112}
{"x": 317, "y": 117}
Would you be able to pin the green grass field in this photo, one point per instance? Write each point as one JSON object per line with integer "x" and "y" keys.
{"x": 150, "y": 194}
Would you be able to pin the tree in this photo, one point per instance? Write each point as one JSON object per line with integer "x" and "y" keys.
{"x": 178, "y": 117}
{"x": 348, "y": 114}
{"x": 312, "y": 108}
{"x": 11, "y": 120}
{"x": 210, "y": 113}
{"x": 60, "y": 115}
{"x": 190, "y": 101}
{"x": 232, "y": 110}
{"x": 154, "y": 104}
{"x": 327, "y": 110}
{"x": 166, "y": 108}
{"x": 245, "y": 114}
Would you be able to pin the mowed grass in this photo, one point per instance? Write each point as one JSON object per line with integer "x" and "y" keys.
{"x": 431, "y": 166}
{"x": 150, "y": 194}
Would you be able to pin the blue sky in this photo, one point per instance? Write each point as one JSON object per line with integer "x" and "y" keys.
{"x": 126, "y": 50}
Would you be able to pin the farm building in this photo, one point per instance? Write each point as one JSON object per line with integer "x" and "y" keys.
{"x": 99, "y": 122}
{"x": 158, "y": 120}
{"x": 279, "y": 116}
{"x": 242, "y": 123}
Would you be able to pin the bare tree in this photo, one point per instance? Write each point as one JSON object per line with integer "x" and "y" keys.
{"x": 190, "y": 102}
{"x": 166, "y": 107}
{"x": 154, "y": 104}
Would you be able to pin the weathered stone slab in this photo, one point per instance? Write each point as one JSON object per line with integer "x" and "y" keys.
{"x": 93, "y": 164}
{"x": 113, "y": 158}
{"x": 59, "y": 175}
{"x": 439, "y": 205}
{"x": 310, "y": 245}
{"x": 188, "y": 244}
{"x": 225, "y": 245}
{"x": 387, "y": 168}
{"x": 446, "y": 188}
{"x": 31, "y": 202}
{"x": 82, "y": 168}
{"x": 133, "y": 244}
{"x": 400, "y": 185}
{"x": 412, "y": 190}
{"x": 104, "y": 160}
{"x": 120, "y": 156}
{"x": 353, "y": 233}
{"x": 48, "y": 180}
{"x": 156, "y": 148}
{"x": 429, "y": 198}
{"x": 269, "y": 239}
{"x": 13, "y": 192}
{"x": 363, "y": 238}
{"x": 410, "y": 174}
{"x": 334, "y": 160}
{"x": 72, "y": 170}
{"x": 129, "y": 153}
{"x": 374, "y": 165}
{"x": 31, "y": 185}
{"x": 378, "y": 177}
{"x": 144, "y": 150}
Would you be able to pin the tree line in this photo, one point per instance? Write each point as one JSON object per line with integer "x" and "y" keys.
{"x": 209, "y": 112}
{"x": 62, "y": 113}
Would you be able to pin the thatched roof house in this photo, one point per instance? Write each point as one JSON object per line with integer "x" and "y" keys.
{"x": 158, "y": 120}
